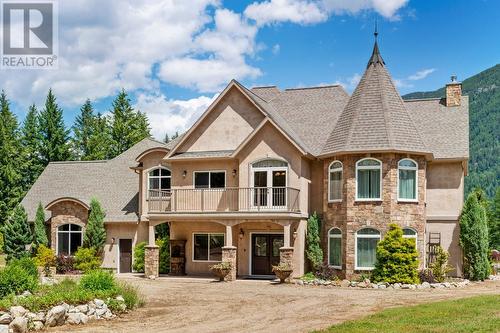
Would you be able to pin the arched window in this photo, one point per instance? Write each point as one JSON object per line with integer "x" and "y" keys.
{"x": 368, "y": 179}
{"x": 159, "y": 180}
{"x": 410, "y": 233}
{"x": 69, "y": 239}
{"x": 366, "y": 248}
{"x": 335, "y": 248}
{"x": 407, "y": 180}
{"x": 335, "y": 181}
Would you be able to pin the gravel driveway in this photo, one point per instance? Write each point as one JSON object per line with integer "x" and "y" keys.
{"x": 201, "y": 305}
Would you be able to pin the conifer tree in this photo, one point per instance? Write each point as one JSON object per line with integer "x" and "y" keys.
{"x": 54, "y": 135}
{"x": 167, "y": 138}
{"x": 95, "y": 233}
{"x": 494, "y": 222}
{"x": 83, "y": 130}
{"x": 128, "y": 126}
{"x": 100, "y": 142}
{"x": 17, "y": 234}
{"x": 40, "y": 232}
{"x": 31, "y": 141}
{"x": 175, "y": 136}
{"x": 313, "y": 248}
{"x": 11, "y": 160}
{"x": 474, "y": 238}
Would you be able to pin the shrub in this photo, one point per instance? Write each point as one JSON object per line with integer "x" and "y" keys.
{"x": 15, "y": 280}
{"x": 426, "y": 275}
{"x": 86, "y": 259}
{"x": 139, "y": 253}
{"x": 325, "y": 272}
{"x": 17, "y": 234}
{"x": 39, "y": 228}
{"x": 313, "y": 248}
{"x": 98, "y": 280}
{"x": 397, "y": 258}
{"x": 27, "y": 264}
{"x": 494, "y": 222}
{"x": 164, "y": 248}
{"x": 440, "y": 266}
{"x": 65, "y": 264}
{"x": 1, "y": 244}
{"x": 309, "y": 276}
{"x": 45, "y": 257}
{"x": 474, "y": 238}
{"x": 95, "y": 233}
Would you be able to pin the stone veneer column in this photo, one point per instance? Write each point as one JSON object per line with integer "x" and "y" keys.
{"x": 286, "y": 256}
{"x": 229, "y": 255}
{"x": 151, "y": 261}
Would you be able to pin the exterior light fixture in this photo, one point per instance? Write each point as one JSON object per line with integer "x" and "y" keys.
{"x": 234, "y": 172}
{"x": 184, "y": 174}
{"x": 241, "y": 234}
{"x": 294, "y": 233}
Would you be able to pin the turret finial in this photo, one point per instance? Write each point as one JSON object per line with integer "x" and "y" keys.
{"x": 375, "y": 33}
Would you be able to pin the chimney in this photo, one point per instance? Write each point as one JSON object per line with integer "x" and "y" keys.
{"x": 453, "y": 92}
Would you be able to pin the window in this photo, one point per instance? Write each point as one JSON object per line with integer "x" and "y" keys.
{"x": 366, "y": 248}
{"x": 410, "y": 233}
{"x": 335, "y": 248}
{"x": 208, "y": 247}
{"x": 270, "y": 163}
{"x": 335, "y": 181}
{"x": 159, "y": 179}
{"x": 368, "y": 179}
{"x": 407, "y": 180}
{"x": 69, "y": 239}
{"x": 209, "y": 179}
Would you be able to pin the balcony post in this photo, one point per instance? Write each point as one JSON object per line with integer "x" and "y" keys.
{"x": 151, "y": 255}
{"x": 229, "y": 253}
{"x": 286, "y": 235}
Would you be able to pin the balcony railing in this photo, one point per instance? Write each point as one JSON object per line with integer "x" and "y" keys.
{"x": 229, "y": 199}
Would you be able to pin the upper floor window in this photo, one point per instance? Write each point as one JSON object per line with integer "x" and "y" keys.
{"x": 209, "y": 179}
{"x": 159, "y": 179}
{"x": 69, "y": 239}
{"x": 270, "y": 163}
{"x": 335, "y": 181}
{"x": 335, "y": 248}
{"x": 368, "y": 179}
{"x": 366, "y": 248}
{"x": 407, "y": 180}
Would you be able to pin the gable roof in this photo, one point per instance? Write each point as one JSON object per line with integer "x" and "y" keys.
{"x": 375, "y": 118}
{"x": 111, "y": 182}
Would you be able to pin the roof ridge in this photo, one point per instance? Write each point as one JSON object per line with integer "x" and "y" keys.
{"x": 78, "y": 162}
{"x": 314, "y": 87}
{"x": 263, "y": 87}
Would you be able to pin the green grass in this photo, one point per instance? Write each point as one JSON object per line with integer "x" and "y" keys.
{"x": 475, "y": 314}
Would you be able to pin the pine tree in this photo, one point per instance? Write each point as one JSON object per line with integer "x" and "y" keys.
{"x": 494, "y": 222}
{"x": 128, "y": 126}
{"x": 474, "y": 239}
{"x": 95, "y": 233}
{"x": 31, "y": 141}
{"x": 313, "y": 248}
{"x": 100, "y": 142}
{"x": 167, "y": 138}
{"x": 175, "y": 136}
{"x": 11, "y": 161}
{"x": 83, "y": 130}
{"x": 17, "y": 234}
{"x": 40, "y": 232}
{"x": 54, "y": 134}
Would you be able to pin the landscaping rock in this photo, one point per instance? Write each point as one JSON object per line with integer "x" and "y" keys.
{"x": 425, "y": 285}
{"x": 405, "y": 286}
{"x": 84, "y": 308}
{"x": 120, "y": 298}
{"x": 76, "y": 318}
{"x": 100, "y": 312}
{"x": 18, "y": 311}
{"x": 446, "y": 285}
{"x": 19, "y": 325}
{"x": 345, "y": 283}
{"x": 99, "y": 303}
{"x": 108, "y": 314}
{"x": 382, "y": 286}
{"x": 56, "y": 316}
{"x": 396, "y": 286}
{"x": 5, "y": 318}
{"x": 47, "y": 281}
{"x": 4, "y": 328}
{"x": 37, "y": 325}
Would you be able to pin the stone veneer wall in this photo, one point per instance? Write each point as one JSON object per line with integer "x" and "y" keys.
{"x": 350, "y": 216}
{"x": 66, "y": 212}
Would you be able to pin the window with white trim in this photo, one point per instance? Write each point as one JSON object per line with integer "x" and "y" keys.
{"x": 366, "y": 248}
{"x": 159, "y": 179}
{"x": 335, "y": 181}
{"x": 209, "y": 179}
{"x": 335, "y": 248}
{"x": 410, "y": 233}
{"x": 368, "y": 179}
{"x": 407, "y": 180}
{"x": 69, "y": 239}
{"x": 208, "y": 246}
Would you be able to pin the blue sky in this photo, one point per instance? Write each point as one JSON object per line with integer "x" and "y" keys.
{"x": 173, "y": 58}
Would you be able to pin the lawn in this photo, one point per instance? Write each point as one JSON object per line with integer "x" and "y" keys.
{"x": 475, "y": 314}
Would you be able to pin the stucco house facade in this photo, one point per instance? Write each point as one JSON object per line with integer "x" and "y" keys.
{"x": 240, "y": 184}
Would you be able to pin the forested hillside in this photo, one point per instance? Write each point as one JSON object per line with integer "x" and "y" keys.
{"x": 484, "y": 122}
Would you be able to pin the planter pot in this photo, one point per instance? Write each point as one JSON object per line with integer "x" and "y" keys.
{"x": 283, "y": 274}
{"x": 42, "y": 272}
{"x": 221, "y": 273}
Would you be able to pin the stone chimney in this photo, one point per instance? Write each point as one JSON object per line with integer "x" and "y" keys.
{"x": 453, "y": 92}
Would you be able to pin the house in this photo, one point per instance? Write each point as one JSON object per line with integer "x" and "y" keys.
{"x": 240, "y": 184}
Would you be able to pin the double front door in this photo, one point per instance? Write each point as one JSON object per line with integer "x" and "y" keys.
{"x": 265, "y": 253}
{"x": 269, "y": 188}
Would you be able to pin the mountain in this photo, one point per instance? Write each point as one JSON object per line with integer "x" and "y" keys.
{"x": 484, "y": 125}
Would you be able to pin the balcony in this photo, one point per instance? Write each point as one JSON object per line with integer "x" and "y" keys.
{"x": 225, "y": 200}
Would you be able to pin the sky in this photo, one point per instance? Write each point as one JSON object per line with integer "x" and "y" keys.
{"x": 174, "y": 56}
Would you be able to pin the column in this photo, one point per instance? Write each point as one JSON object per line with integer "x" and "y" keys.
{"x": 229, "y": 254}
{"x": 151, "y": 255}
{"x": 286, "y": 252}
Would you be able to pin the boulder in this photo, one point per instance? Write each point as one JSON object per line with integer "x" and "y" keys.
{"x": 5, "y": 318}
{"x": 37, "y": 325}
{"x": 4, "y": 328}
{"x": 55, "y": 316}
{"x": 446, "y": 285}
{"x": 396, "y": 286}
{"x": 405, "y": 286}
{"x": 382, "y": 286}
{"x": 345, "y": 283}
{"x": 19, "y": 325}
{"x": 76, "y": 318}
{"x": 84, "y": 308}
{"x": 99, "y": 303}
{"x": 425, "y": 285}
{"x": 18, "y": 311}
{"x": 100, "y": 312}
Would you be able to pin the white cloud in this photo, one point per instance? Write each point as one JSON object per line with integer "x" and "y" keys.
{"x": 276, "y": 49}
{"x": 350, "y": 83}
{"x": 420, "y": 75}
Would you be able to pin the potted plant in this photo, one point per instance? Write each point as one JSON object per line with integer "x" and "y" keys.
{"x": 282, "y": 271}
{"x": 221, "y": 270}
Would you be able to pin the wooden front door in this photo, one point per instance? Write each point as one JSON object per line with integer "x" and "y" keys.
{"x": 265, "y": 253}
{"x": 125, "y": 255}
